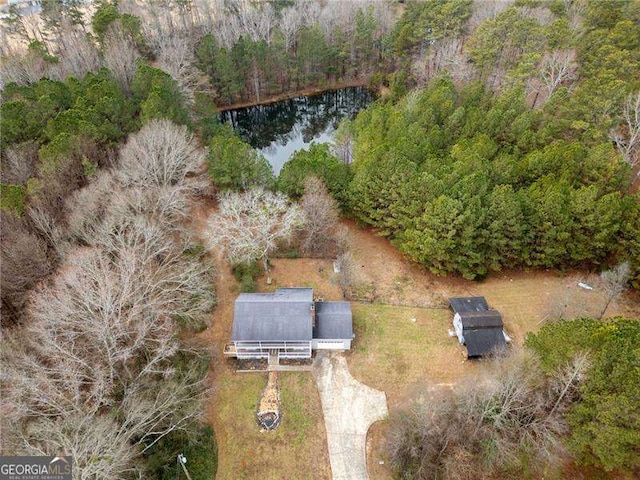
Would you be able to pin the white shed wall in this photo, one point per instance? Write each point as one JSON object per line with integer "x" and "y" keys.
{"x": 457, "y": 326}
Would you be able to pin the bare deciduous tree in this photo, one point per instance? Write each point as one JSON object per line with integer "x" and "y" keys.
{"x": 250, "y": 225}
{"x": 48, "y": 227}
{"x": 120, "y": 55}
{"x": 291, "y": 21}
{"x": 87, "y": 207}
{"x": 487, "y": 9}
{"x": 99, "y": 446}
{"x": 23, "y": 68}
{"x": 321, "y": 216}
{"x": 347, "y": 272}
{"x": 614, "y": 282}
{"x": 77, "y": 55}
{"x": 20, "y": 163}
{"x": 161, "y": 154}
{"x": 445, "y": 55}
{"x": 490, "y": 425}
{"x": 556, "y": 68}
{"x": 627, "y": 137}
{"x": 24, "y": 261}
{"x": 175, "y": 56}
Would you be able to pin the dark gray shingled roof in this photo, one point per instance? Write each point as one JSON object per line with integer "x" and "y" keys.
{"x": 481, "y": 327}
{"x": 484, "y": 341}
{"x": 469, "y": 304}
{"x": 333, "y": 321}
{"x": 273, "y": 317}
{"x": 486, "y": 319}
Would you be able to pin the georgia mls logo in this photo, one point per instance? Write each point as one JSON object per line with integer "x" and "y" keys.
{"x": 35, "y": 468}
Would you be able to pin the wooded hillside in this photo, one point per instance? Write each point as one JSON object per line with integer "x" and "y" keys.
{"x": 506, "y": 136}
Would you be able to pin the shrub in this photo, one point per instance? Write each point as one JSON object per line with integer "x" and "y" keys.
{"x": 246, "y": 276}
{"x": 198, "y": 446}
{"x": 12, "y": 197}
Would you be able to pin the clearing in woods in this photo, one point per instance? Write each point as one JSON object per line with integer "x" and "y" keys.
{"x": 402, "y": 347}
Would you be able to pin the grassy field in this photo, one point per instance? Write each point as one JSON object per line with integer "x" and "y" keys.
{"x": 295, "y": 450}
{"x": 400, "y": 349}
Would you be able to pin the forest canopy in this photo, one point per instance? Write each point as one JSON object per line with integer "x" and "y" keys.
{"x": 467, "y": 182}
{"x": 506, "y": 136}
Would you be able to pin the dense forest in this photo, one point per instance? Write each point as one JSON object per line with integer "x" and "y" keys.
{"x": 517, "y": 161}
{"x": 506, "y": 136}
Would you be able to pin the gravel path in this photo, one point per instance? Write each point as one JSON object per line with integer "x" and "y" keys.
{"x": 349, "y": 408}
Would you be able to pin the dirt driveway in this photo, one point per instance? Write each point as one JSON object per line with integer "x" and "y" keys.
{"x": 349, "y": 408}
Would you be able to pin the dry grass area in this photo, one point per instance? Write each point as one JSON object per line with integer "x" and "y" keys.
{"x": 286, "y": 453}
{"x": 304, "y": 272}
{"x": 407, "y": 353}
{"x": 402, "y": 347}
{"x": 399, "y": 350}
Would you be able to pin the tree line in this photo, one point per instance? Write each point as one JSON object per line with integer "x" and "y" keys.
{"x": 247, "y": 50}
{"x": 98, "y": 368}
{"x": 463, "y": 181}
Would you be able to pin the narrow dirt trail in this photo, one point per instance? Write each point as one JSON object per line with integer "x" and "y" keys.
{"x": 216, "y": 336}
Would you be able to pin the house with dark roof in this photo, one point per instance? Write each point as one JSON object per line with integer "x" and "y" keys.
{"x": 477, "y": 326}
{"x": 289, "y": 323}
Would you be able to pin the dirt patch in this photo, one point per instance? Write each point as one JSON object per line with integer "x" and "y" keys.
{"x": 303, "y": 272}
{"x": 269, "y": 406}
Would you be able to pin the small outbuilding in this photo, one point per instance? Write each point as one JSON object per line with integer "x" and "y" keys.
{"x": 477, "y": 326}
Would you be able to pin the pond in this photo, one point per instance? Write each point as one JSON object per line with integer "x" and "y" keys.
{"x": 278, "y": 129}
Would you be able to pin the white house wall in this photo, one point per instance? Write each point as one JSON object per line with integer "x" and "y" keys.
{"x": 331, "y": 344}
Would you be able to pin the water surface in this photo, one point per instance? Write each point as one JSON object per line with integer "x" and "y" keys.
{"x": 278, "y": 129}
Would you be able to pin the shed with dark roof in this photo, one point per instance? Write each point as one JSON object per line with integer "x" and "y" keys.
{"x": 477, "y": 326}
{"x": 469, "y": 304}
